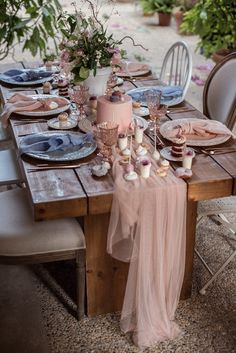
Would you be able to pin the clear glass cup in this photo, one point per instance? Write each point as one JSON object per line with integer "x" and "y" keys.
{"x": 153, "y": 100}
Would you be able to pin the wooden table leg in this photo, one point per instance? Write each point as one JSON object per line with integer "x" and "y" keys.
{"x": 190, "y": 243}
{"x": 105, "y": 277}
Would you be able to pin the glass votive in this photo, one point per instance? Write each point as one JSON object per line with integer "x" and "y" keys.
{"x": 122, "y": 141}
{"x": 145, "y": 168}
{"x": 138, "y": 133}
{"x": 187, "y": 160}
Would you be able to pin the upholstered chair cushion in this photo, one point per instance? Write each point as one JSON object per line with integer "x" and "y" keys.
{"x": 9, "y": 172}
{"x": 20, "y": 235}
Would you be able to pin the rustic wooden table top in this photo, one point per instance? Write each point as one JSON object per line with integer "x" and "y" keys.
{"x": 75, "y": 192}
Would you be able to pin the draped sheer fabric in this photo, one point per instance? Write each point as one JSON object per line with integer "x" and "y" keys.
{"x": 148, "y": 229}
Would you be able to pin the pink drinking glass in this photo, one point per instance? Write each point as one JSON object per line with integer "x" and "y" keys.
{"x": 80, "y": 94}
{"x": 153, "y": 100}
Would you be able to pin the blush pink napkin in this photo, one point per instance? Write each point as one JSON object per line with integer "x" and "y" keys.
{"x": 134, "y": 67}
{"x": 20, "y": 102}
{"x": 148, "y": 229}
{"x": 200, "y": 129}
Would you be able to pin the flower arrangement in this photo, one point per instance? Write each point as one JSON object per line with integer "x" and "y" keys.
{"x": 87, "y": 45}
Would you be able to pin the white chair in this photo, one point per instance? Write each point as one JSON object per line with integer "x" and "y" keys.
{"x": 23, "y": 241}
{"x": 219, "y": 95}
{"x": 219, "y": 103}
{"x": 177, "y": 66}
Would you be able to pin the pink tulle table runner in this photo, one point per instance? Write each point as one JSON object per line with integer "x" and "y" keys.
{"x": 148, "y": 229}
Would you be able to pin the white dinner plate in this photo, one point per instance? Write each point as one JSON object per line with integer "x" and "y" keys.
{"x": 48, "y": 112}
{"x": 170, "y": 125}
{"x": 166, "y": 153}
{"x": 65, "y": 125}
{"x": 85, "y": 125}
{"x": 10, "y": 81}
{"x": 118, "y": 82}
{"x": 139, "y": 92}
{"x": 141, "y": 121}
{"x": 143, "y": 111}
{"x": 133, "y": 73}
{"x": 70, "y": 154}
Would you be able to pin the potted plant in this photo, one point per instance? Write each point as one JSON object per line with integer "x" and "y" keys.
{"x": 214, "y": 22}
{"x": 162, "y": 7}
{"x": 30, "y": 22}
{"x": 182, "y": 6}
{"x": 88, "y": 49}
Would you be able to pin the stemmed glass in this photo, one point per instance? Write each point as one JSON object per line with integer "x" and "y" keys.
{"x": 108, "y": 134}
{"x": 153, "y": 99}
{"x": 80, "y": 94}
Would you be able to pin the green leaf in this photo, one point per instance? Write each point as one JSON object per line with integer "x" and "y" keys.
{"x": 84, "y": 73}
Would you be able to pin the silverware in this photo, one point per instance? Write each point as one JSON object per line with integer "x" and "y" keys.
{"x": 217, "y": 152}
{"x": 179, "y": 110}
{"x": 25, "y": 122}
{"x": 44, "y": 167}
{"x": 22, "y": 89}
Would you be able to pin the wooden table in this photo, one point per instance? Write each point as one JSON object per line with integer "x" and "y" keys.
{"x": 76, "y": 193}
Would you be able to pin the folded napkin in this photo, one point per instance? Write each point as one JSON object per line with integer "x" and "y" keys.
{"x": 26, "y": 75}
{"x": 199, "y": 129}
{"x": 20, "y": 102}
{"x": 40, "y": 143}
{"x": 133, "y": 67}
{"x": 168, "y": 92}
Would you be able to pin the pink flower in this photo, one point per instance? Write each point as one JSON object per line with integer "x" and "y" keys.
{"x": 113, "y": 50}
{"x": 65, "y": 56}
{"x": 116, "y": 58}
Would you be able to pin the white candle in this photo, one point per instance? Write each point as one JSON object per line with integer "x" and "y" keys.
{"x": 145, "y": 168}
{"x": 187, "y": 161}
{"x": 138, "y": 134}
{"x": 122, "y": 142}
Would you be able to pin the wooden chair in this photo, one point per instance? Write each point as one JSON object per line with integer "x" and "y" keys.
{"x": 23, "y": 241}
{"x": 177, "y": 66}
{"x": 219, "y": 95}
{"x": 219, "y": 103}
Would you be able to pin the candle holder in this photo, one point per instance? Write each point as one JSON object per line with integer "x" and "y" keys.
{"x": 80, "y": 94}
{"x": 108, "y": 133}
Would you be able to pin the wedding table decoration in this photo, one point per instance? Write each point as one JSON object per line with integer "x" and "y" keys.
{"x": 148, "y": 229}
{"x": 88, "y": 48}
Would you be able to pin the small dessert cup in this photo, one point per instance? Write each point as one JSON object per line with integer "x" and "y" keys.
{"x": 145, "y": 168}
{"x": 138, "y": 133}
{"x": 122, "y": 141}
{"x": 188, "y": 159}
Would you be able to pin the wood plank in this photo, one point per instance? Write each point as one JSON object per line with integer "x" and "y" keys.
{"x": 98, "y": 190}
{"x": 209, "y": 180}
{"x": 186, "y": 115}
{"x": 190, "y": 242}
{"x": 105, "y": 277}
{"x": 228, "y": 162}
{"x": 55, "y": 194}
